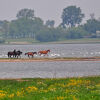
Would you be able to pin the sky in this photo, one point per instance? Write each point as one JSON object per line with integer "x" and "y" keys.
{"x": 47, "y": 9}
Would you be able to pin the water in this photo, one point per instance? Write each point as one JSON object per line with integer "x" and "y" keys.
{"x": 57, "y": 50}
{"x": 51, "y": 69}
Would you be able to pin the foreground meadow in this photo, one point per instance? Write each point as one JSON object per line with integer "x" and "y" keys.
{"x": 87, "y": 88}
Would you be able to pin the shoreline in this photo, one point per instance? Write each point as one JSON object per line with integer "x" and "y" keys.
{"x": 49, "y": 59}
{"x": 29, "y": 78}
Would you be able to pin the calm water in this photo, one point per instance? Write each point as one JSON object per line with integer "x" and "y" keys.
{"x": 51, "y": 69}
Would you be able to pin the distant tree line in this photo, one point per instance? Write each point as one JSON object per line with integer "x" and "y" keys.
{"x": 28, "y": 26}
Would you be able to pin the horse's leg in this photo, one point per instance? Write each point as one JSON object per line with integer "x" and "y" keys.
{"x": 28, "y": 56}
{"x": 20, "y": 56}
{"x": 17, "y": 56}
{"x": 8, "y": 55}
{"x": 45, "y": 54}
{"x": 14, "y": 56}
{"x": 32, "y": 56}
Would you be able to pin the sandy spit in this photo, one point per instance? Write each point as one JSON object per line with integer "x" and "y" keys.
{"x": 49, "y": 59}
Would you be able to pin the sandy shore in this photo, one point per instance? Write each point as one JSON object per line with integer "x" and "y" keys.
{"x": 49, "y": 59}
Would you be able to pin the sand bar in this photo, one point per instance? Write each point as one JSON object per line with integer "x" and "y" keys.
{"x": 50, "y": 59}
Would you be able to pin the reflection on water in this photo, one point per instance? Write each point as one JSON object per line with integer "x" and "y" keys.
{"x": 49, "y": 69}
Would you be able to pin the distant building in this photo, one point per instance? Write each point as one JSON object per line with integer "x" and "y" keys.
{"x": 98, "y": 34}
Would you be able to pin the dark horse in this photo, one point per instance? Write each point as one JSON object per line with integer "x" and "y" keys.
{"x": 45, "y": 52}
{"x": 14, "y": 54}
{"x": 30, "y": 54}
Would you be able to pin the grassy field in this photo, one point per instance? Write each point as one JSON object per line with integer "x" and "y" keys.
{"x": 82, "y": 40}
{"x": 86, "y": 88}
{"x": 21, "y": 41}
{"x": 31, "y": 41}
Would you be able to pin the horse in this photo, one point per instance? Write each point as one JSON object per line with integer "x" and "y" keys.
{"x": 10, "y": 54}
{"x": 30, "y": 54}
{"x": 44, "y": 52}
{"x": 18, "y": 53}
{"x": 14, "y": 54}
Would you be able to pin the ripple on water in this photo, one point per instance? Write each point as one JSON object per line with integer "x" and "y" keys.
{"x": 49, "y": 69}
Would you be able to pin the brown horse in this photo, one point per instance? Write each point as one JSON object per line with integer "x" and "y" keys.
{"x": 45, "y": 52}
{"x": 30, "y": 54}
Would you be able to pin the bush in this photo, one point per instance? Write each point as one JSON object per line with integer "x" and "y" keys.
{"x": 76, "y": 32}
{"x": 47, "y": 35}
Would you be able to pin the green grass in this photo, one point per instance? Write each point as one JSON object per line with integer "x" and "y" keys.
{"x": 81, "y": 40}
{"x": 86, "y": 88}
{"x": 31, "y": 40}
{"x": 21, "y": 41}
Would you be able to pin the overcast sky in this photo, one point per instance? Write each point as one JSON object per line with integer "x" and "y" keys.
{"x": 47, "y": 9}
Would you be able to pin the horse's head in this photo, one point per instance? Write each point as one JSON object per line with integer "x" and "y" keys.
{"x": 48, "y": 50}
{"x": 19, "y": 52}
{"x": 35, "y": 52}
{"x": 25, "y": 53}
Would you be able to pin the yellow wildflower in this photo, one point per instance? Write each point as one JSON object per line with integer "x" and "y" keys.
{"x": 11, "y": 95}
{"x": 98, "y": 85}
{"x": 19, "y": 93}
{"x": 2, "y": 95}
{"x": 60, "y": 98}
{"x": 71, "y": 91}
{"x": 31, "y": 89}
{"x": 74, "y": 98}
{"x": 78, "y": 82}
{"x": 52, "y": 88}
{"x": 1, "y": 91}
